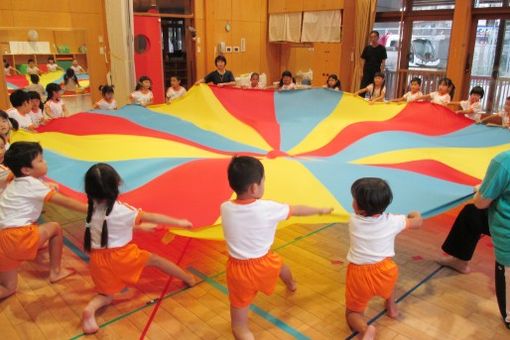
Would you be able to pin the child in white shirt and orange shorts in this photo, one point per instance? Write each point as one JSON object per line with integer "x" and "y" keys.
{"x": 249, "y": 226}
{"x": 371, "y": 271}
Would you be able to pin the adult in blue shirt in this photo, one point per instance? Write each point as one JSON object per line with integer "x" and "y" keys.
{"x": 494, "y": 193}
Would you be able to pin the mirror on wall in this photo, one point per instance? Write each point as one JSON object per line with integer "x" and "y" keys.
{"x": 54, "y": 56}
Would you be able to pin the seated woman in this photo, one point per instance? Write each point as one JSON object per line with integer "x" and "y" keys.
{"x": 460, "y": 244}
{"x": 221, "y": 76}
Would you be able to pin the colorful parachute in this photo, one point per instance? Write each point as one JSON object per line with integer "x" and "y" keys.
{"x": 21, "y": 81}
{"x": 313, "y": 144}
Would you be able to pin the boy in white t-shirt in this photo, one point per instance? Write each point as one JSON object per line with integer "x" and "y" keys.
{"x": 472, "y": 107}
{"x": 21, "y": 108}
{"x": 249, "y": 226}
{"x": 414, "y": 92}
{"x": 371, "y": 271}
{"x": 21, "y": 204}
{"x": 175, "y": 90}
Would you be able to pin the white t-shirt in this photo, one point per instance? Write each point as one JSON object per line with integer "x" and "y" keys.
{"x": 141, "y": 98}
{"x": 57, "y": 108}
{"x": 37, "y": 117}
{"x": 172, "y": 94}
{"x": 439, "y": 99}
{"x": 78, "y": 69}
{"x": 120, "y": 223}
{"x": 291, "y": 86}
{"x": 24, "y": 121}
{"x": 22, "y": 201}
{"x": 373, "y": 238}
{"x": 410, "y": 97}
{"x": 104, "y": 105}
{"x": 6, "y": 177}
{"x": 52, "y": 67}
{"x": 33, "y": 70}
{"x": 476, "y": 107}
{"x": 374, "y": 93}
{"x": 249, "y": 228}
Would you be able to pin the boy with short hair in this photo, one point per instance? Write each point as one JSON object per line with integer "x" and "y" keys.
{"x": 21, "y": 205}
{"x": 249, "y": 226}
{"x": 371, "y": 270}
{"x": 21, "y": 108}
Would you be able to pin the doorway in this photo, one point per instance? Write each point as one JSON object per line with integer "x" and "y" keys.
{"x": 489, "y": 63}
{"x": 177, "y": 51}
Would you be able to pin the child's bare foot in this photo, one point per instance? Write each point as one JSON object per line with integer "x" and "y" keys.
{"x": 369, "y": 333}
{"x": 292, "y": 286}
{"x": 62, "y": 274}
{"x": 456, "y": 264}
{"x": 391, "y": 309}
{"x": 190, "y": 281}
{"x": 89, "y": 323}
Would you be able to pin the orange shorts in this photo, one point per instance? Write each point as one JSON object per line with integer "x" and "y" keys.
{"x": 247, "y": 277}
{"x": 368, "y": 280}
{"x": 113, "y": 269}
{"x": 18, "y": 245}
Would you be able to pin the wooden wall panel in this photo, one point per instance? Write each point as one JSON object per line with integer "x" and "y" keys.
{"x": 276, "y": 6}
{"x": 322, "y": 5}
{"x": 459, "y": 45}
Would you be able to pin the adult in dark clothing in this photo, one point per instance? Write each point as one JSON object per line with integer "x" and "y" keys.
{"x": 373, "y": 59}
{"x": 460, "y": 244}
{"x": 220, "y": 76}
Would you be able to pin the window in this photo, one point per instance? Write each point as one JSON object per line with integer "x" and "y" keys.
{"x": 488, "y": 3}
{"x": 427, "y": 5}
{"x": 390, "y": 5}
{"x": 141, "y": 44}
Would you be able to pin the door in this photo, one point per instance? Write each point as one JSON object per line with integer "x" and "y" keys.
{"x": 490, "y": 61}
{"x": 148, "y": 56}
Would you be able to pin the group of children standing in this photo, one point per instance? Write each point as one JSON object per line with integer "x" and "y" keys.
{"x": 249, "y": 226}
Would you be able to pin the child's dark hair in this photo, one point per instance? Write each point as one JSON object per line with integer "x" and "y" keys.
{"x": 105, "y": 89}
{"x": 448, "y": 82}
{"x": 416, "y": 80}
{"x": 51, "y": 89}
{"x": 35, "y": 95}
{"x": 244, "y": 171}
{"x": 14, "y": 122}
{"x": 477, "y": 90}
{"x": 51, "y": 58}
{"x": 70, "y": 74}
{"x": 380, "y": 75}
{"x": 30, "y": 61}
{"x": 101, "y": 185}
{"x": 337, "y": 81}
{"x": 20, "y": 155}
{"x": 18, "y": 98}
{"x": 139, "y": 85}
{"x": 372, "y": 195}
{"x": 254, "y": 74}
{"x": 34, "y": 78}
{"x": 376, "y": 32}
{"x": 220, "y": 58}
{"x": 286, "y": 73}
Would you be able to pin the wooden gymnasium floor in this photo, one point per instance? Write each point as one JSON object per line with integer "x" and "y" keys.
{"x": 437, "y": 303}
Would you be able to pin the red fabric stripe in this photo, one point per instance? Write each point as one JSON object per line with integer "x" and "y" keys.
{"x": 421, "y": 118}
{"x": 84, "y": 124}
{"x": 18, "y": 80}
{"x": 434, "y": 169}
{"x": 254, "y": 108}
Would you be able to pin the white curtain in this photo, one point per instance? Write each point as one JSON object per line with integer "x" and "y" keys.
{"x": 285, "y": 27}
{"x": 322, "y": 26}
{"x": 119, "y": 22}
